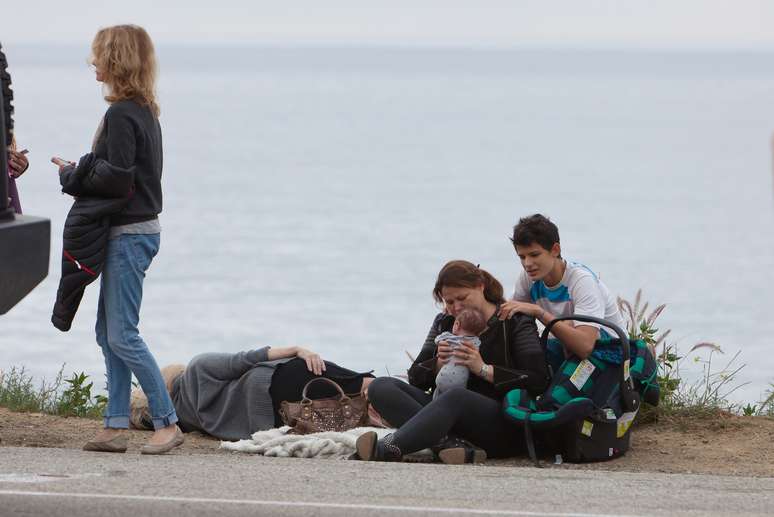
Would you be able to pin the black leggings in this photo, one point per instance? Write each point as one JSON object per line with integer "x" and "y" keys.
{"x": 423, "y": 422}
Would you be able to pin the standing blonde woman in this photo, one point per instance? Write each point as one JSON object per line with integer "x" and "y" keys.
{"x": 128, "y": 140}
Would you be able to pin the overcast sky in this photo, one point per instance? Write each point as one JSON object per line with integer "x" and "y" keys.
{"x": 690, "y": 24}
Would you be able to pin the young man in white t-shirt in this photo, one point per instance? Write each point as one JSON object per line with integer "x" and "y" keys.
{"x": 550, "y": 287}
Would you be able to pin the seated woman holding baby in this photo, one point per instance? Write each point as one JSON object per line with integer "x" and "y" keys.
{"x": 469, "y": 361}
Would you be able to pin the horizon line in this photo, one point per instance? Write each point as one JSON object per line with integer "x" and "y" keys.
{"x": 354, "y": 45}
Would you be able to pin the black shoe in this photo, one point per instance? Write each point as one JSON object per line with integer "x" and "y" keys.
{"x": 370, "y": 448}
{"x": 456, "y": 451}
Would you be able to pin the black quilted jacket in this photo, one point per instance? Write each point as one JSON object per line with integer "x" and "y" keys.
{"x": 512, "y": 348}
{"x": 100, "y": 190}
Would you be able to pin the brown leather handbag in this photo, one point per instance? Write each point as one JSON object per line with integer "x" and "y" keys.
{"x": 338, "y": 413}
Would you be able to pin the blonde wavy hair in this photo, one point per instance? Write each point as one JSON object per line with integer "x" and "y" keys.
{"x": 126, "y": 59}
{"x": 139, "y": 412}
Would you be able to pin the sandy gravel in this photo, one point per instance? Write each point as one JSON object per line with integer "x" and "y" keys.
{"x": 730, "y": 445}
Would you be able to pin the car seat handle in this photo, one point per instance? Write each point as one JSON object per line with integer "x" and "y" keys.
{"x": 623, "y": 336}
{"x": 630, "y": 398}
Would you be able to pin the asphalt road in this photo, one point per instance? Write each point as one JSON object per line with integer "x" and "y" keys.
{"x": 36, "y": 481}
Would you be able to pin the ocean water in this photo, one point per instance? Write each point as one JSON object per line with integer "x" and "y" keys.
{"x": 312, "y": 194}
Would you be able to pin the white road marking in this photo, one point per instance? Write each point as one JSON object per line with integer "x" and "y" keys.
{"x": 23, "y": 477}
{"x": 343, "y": 506}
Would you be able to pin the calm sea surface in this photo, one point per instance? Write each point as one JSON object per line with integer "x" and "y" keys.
{"x": 311, "y": 195}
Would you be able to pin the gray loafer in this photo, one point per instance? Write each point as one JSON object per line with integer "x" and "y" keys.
{"x": 116, "y": 444}
{"x": 162, "y": 448}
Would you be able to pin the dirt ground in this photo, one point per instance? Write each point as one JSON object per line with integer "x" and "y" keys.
{"x": 728, "y": 445}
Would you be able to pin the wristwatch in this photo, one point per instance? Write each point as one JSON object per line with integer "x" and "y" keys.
{"x": 483, "y": 371}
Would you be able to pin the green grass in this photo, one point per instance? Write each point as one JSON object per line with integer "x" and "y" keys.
{"x": 63, "y": 397}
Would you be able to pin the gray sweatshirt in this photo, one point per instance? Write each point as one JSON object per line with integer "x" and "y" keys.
{"x": 226, "y": 395}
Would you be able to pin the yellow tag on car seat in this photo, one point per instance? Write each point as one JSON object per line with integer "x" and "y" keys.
{"x": 624, "y": 423}
{"x": 582, "y": 373}
{"x": 587, "y": 427}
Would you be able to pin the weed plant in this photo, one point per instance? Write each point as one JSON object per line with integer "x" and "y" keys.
{"x": 63, "y": 397}
{"x": 709, "y": 395}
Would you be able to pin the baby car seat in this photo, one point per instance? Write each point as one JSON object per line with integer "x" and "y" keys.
{"x": 587, "y": 410}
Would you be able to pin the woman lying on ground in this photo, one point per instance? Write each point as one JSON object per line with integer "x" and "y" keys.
{"x": 509, "y": 357}
{"x": 231, "y": 396}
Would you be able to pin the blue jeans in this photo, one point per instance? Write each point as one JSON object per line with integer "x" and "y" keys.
{"x": 118, "y": 314}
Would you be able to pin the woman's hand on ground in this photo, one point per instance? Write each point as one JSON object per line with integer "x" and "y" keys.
{"x": 443, "y": 353}
{"x": 18, "y": 163}
{"x": 508, "y": 309}
{"x": 314, "y": 362}
{"x": 468, "y": 355}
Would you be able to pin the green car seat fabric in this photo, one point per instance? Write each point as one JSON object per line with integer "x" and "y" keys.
{"x": 587, "y": 410}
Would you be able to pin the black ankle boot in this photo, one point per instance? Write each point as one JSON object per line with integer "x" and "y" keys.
{"x": 456, "y": 451}
{"x": 370, "y": 448}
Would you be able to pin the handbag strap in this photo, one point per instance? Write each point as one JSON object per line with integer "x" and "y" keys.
{"x": 333, "y": 383}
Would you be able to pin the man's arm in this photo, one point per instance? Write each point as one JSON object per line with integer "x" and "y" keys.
{"x": 578, "y": 340}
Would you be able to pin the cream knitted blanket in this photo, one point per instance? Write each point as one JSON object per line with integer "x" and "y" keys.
{"x": 328, "y": 445}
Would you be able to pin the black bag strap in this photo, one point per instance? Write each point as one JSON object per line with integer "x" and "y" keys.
{"x": 629, "y": 397}
{"x": 531, "y": 443}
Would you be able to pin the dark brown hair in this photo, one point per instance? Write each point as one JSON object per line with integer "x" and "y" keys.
{"x": 535, "y": 228}
{"x": 471, "y": 320}
{"x": 461, "y": 273}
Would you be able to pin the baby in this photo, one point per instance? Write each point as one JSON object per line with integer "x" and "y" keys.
{"x": 467, "y": 326}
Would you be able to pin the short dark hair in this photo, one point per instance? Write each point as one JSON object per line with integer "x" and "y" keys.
{"x": 535, "y": 228}
{"x": 472, "y": 320}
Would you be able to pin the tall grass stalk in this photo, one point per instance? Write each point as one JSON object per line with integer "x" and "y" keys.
{"x": 710, "y": 394}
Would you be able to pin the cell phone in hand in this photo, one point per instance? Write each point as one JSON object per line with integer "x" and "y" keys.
{"x": 59, "y": 161}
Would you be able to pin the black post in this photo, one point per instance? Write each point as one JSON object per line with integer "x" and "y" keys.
{"x": 6, "y": 212}
{"x": 25, "y": 240}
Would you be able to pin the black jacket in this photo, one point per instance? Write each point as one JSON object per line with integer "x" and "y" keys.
{"x": 100, "y": 190}
{"x": 511, "y": 347}
{"x": 131, "y": 137}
